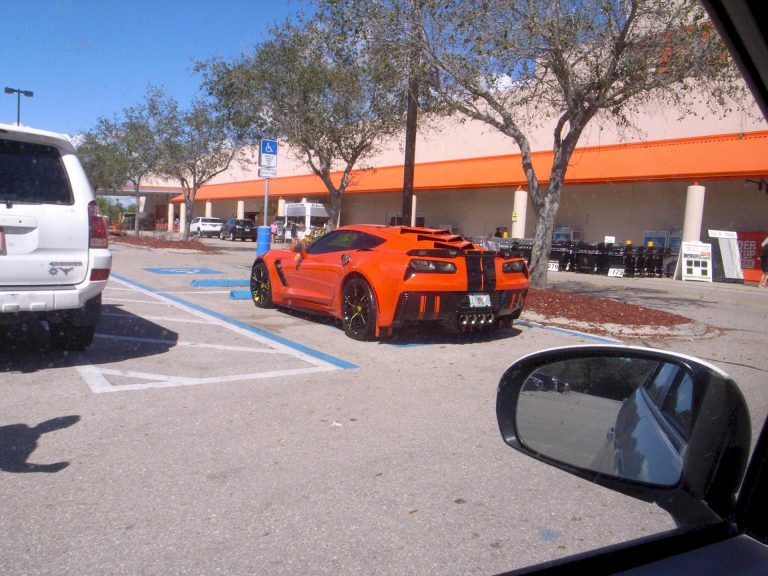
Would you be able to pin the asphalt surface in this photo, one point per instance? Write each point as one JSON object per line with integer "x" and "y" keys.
{"x": 200, "y": 435}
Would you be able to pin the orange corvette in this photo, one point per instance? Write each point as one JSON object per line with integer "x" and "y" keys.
{"x": 375, "y": 279}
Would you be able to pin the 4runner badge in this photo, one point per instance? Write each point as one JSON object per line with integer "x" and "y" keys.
{"x": 65, "y": 267}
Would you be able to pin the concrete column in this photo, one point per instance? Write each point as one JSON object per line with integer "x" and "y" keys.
{"x": 240, "y": 209}
{"x": 182, "y": 217}
{"x": 208, "y": 209}
{"x": 413, "y": 210}
{"x": 519, "y": 214}
{"x": 694, "y": 212}
{"x": 171, "y": 216}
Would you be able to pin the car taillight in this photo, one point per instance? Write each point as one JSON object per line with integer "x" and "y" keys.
{"x": 99, "y": 274}
{"x": 515, "y": 266}
{"x": 432, "y": 266}
{"x": 97, "y": 227}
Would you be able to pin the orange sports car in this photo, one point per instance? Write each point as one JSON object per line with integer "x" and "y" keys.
{"x": 375, "y": 279}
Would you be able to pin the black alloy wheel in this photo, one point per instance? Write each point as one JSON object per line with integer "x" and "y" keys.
{"x": 358, "y": 310}
{"x": 261, "y": 287}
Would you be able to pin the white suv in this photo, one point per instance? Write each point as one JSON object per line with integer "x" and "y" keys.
{"x": 203, "y": 226}
{"x": 54, "y": 257}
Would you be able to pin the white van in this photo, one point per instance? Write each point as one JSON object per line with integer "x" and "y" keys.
{"x": 54, "y": 256}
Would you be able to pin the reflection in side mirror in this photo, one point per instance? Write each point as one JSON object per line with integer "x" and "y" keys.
{"x": 655, "y": 425}
{"x": 626, "y": 417}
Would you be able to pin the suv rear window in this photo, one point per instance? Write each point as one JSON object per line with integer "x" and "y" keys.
{"x": 32, "y": 174}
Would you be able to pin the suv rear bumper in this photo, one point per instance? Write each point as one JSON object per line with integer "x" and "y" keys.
{"x": 70, "y": 301}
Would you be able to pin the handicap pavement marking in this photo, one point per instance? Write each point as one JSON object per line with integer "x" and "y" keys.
{"x": 182, "y": 271}
{"x": 96, "y": 377}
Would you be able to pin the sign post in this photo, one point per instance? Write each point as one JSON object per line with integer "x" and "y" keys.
{"x": 267, "y": 170}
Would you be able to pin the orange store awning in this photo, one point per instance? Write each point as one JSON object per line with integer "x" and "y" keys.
{"x": 702, "y": 158}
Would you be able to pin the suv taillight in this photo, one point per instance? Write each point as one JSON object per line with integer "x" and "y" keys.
{"x": 97, "y": 227}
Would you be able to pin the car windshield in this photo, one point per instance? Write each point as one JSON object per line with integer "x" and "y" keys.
{"x": 333, "y": 227}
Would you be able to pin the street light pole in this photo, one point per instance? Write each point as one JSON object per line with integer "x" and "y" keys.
{"x": 18, "y": 92}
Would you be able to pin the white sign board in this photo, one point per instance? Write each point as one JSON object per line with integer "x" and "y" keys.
{"x": 696, "y": 260}
{"x": 267, "y": 172}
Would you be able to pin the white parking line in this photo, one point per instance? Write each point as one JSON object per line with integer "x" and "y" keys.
{"x": 99, "y": 384}
{"x": 156, "y": 318}
{"x": 98, "y": 377}
{"x": 226, "y": 347}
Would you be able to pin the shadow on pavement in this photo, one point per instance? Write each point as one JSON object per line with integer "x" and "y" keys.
{"x": 18, "y": 441}
{"x": 120, "y": 335}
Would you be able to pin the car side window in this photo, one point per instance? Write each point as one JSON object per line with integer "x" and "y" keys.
{"x": 661, "y": 382}
{"x": 367, "y": 242}
{"x": 678, "y": 405}
{"x": 334, "y": 242}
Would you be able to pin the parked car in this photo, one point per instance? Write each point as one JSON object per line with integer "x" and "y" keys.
{"x": 54, "y": 256}
{"x": 204, "y": 226}
{"x": 375, "y": 279}
{"x": 236, "y": 229}
{"x": 681, "y": 440}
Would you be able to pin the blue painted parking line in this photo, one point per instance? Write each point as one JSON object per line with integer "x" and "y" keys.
{"x": 239, "y": 294}
{"x": 212, "y": 283}
{"x": 182, "y": 271}
{"x": 338, "y": 362}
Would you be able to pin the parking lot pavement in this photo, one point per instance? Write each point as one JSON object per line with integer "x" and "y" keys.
{"x": 237, "y": 440}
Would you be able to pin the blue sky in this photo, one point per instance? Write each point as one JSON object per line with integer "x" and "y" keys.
{"x": 89, "y": 58}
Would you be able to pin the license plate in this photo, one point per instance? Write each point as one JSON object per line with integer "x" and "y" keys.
{"x": 479, "y": 300}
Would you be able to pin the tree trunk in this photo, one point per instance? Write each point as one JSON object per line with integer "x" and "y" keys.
{"x": 546, "y": 212}
{"x": 136, "y": 227}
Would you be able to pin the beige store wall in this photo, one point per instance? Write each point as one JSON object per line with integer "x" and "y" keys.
{"x": 625, "y": 211}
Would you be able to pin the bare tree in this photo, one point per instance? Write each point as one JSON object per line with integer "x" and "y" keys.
{"x": 516, "y": 65}
{"x": 327, "y": 90}
{"x": 194, "y": 145}
{"x": 118, "y": 151}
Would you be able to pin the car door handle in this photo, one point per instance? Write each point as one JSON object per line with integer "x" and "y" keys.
{"x": 345, "y": 258}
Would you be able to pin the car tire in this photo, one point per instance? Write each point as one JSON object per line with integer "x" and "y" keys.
{"x": 358, "y": 309}
{"x": 261, "y": 286}
{"x": 66, "y": 336}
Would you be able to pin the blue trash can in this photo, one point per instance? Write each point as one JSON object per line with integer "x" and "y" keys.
{"x": 262, "y": 240}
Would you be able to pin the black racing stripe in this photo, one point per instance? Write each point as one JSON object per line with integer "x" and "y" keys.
{"x": 474, "y": 273}
{"x": 481, "y": 273}
{"x": 489, "y": 273}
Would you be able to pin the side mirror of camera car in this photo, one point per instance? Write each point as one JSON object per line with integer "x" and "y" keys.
{"x": 657, "y": 426}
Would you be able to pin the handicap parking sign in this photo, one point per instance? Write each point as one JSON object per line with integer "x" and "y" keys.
{"x": 268, "y": 153}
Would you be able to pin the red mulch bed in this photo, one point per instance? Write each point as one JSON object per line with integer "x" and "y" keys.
{"x": 577, "y": 307}
{"x": 152, "y": 242}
